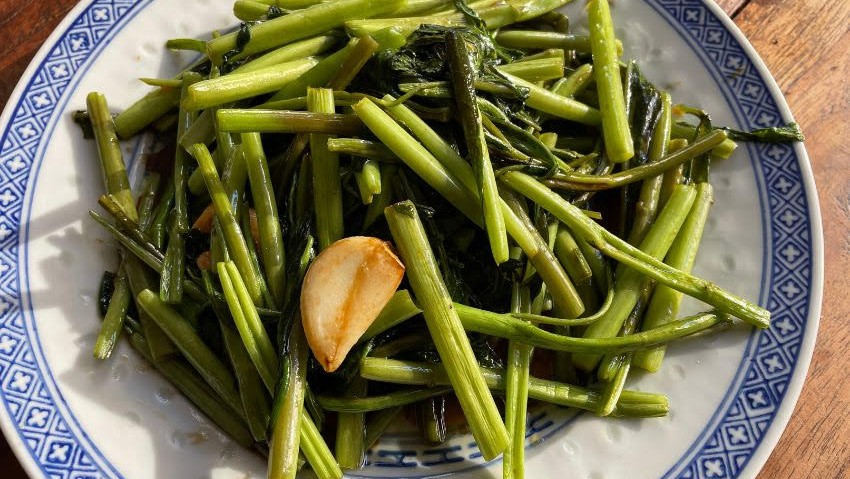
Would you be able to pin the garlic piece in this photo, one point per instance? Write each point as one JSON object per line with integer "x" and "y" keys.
{"x": 345, "y": 289}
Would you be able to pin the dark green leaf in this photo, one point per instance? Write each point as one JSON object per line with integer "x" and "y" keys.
{"x": 776, "y": 134}
{"x": 104, "y": 294}
{"x": 81, "y": 118}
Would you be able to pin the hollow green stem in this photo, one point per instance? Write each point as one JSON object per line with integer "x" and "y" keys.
{"x": 283, "y": 121}
{"x": 109, "y": 151}
{"x": 575, "y": 82}
{"x": 360, "y": 53}
{"x": 564, "y": 322}
{"x": 146, "y": 110}
{"x": 316, "y": 77}
{"x": 584, "y": 182}
{"x": 157, "y": 228}
{"x": 327, "y": 188}
{"x": 368, "y": 179}
{"x": 614, "y": 387}
{"x": 542, "y": 99}
{"x": 628, "y": 285}
{"x": 362, "y": 148}
{"x": 247, "y": 11}
{"x": 415, "y": 156}
{"x": 147, "y": 201}
{"x": 435, "y": 7}
{"x": 436, "y": 144}
{"x": 247, "y": 321}
{"x": 415, "y": 373}
{"x": 290, "y": 4}
{"x": 571, "y": 257}
{"x": 268, "y": 223}
{"x": 174, "y": 264}
{"x": 688, "y": 132}
{"x": 543, "y": 69}
{"x": 614, "y": 247}
{"x": 255, "y": 402}
{"x": 597, "y": 262}
{"x": 309, "y": 47}
{"x": 673, "y": 176}
{"x": 128, "y": 226}
{"x": 113, "y": 321}
{"x": 649, "y": 200}
{"x": 233, "y": 236}
{"x": 145, "y": 254}
{"x": 199, "y": 355}
{"x": 568, "y": 304}
{"x": 238, "y": 86}
{"x": 398, "y": 309}
{"x": 665, "y": 301}
{"x": 508, "y": 327}
{"x": 606, "y": 66}
{"x": 533, "y": 39}
{"x": 139, "y": 279}
{"x": 406, "y": 25}
{"x": 313, "y": 20}
{"x": 316, "y": 450}
{"x": 495, "y": 15}
{"x": 517, "y": 375}
{"x": 351, "y": 430}
{"x": 200, "y": 130}
{"x": 463, "y": 76}
{"x": 376, "y": 208}
{"x": 446, "y": 330}
{"x": 378, "y": 403}
{"x": 556, "y": 105}
{"x": 548, "y": 53}
{"x": 287, "y": 422}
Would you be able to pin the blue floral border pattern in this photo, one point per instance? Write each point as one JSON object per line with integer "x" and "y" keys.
{"x": 726, "y": 446}
{"x": 52, "y": 436}
{"x": 61, "y": 450}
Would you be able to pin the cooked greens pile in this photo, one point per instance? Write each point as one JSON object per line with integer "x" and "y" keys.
{"x": 543, "y": 197}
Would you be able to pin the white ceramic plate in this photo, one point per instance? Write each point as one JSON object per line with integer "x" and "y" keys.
{"x": 67, "y": 416}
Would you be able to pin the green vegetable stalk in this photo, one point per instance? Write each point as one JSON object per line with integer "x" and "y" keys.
{"x": 199, "y": 355}
{"x": 606, "y": 65}
{"x": 665, "y": 301}
{"x": 233, "y": 237}
{"x": 238, "y": 86}
{"x": 463, "y": 81}
{"x": 327, "y": 190}
{"x": 313, "y": 20}
{"x": 113, "y": 321}
{"x": 171, "y": 283}
{"x": 614, "y": 247}
{"x": 286, "y": 425}
{"x": 268, "y": 222}
{"x": 628, "y": 283}
{"x": 446, "y": 330}
{"x": 111, "y": 161}
{"x": 632, "y": 403}
{"x": 517, "y": 377}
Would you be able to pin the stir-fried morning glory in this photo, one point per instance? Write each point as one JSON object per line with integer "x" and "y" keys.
{"x": 370, "y": 206}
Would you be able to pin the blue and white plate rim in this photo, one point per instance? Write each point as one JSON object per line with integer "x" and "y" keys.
{"x": 21, "y": 155}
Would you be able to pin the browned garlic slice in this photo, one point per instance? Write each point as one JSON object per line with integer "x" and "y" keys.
{"x": 345, "y": 289}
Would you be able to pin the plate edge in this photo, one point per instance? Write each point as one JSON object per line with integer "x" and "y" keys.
{"x": 13, "y": 439}
{"x": 795, "y": 386}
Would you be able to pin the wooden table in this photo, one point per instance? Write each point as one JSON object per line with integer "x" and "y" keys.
{"x": 804, "y": 43}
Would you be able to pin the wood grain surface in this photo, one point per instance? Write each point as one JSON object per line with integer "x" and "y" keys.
{"x": 805, "y": 45}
